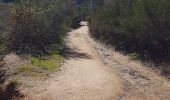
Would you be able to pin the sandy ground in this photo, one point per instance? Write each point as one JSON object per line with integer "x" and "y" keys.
{"x": 94, "y": 72}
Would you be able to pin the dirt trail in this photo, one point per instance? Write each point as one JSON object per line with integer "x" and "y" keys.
{"x": 92, "y": 72}
{"x": 83, "y": 76}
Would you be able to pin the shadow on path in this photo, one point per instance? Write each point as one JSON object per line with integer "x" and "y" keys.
{"x": 69, "y": 53}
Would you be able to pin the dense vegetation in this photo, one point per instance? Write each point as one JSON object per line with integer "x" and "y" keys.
{"x": 4, "y": 11}
{"x": 134, "y": 26}
{"x": 36, "y": 27}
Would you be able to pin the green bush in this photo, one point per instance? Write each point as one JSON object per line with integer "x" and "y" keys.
{"x": 25, "y": 29}
{"x": 38, "y": 28}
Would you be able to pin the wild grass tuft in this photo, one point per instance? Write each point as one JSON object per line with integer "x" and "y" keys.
{"x": 134, "y": 56}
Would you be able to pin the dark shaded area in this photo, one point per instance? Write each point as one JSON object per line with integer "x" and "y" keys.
{"x": 69, "y": 53}
{"x": 2, "y": 77}
{"x": 76, "y": 23}
{"x": 8, "y": 1}
{"x": 9, "y": 92}
{"x": 80, "y": 1}
{"x": 2, "y": 72}
{"x": 166, "y": 74}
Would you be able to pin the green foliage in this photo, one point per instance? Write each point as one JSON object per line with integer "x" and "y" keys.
{"x": 52, "y": 63}
{"x": 2, "y": 44}
{"x": 38, "y": 67}
{"x": 4, "y": 12}
{"x": 30, "y": 70}
{"x": 38, "y": 27}
{"x": 44, "y": 64}
{"x": 140, "y": 26}
{"x": 2, "y": 48}
{"x": 57, "y": 57}
{"x": 25, "y": 29}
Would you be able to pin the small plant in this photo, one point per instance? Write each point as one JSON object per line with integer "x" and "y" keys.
{"x": 134, "y": 56}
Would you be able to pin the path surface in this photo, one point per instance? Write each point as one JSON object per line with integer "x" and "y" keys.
{"x": 83, "y": 76}
{"x": 93, "y": 73}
